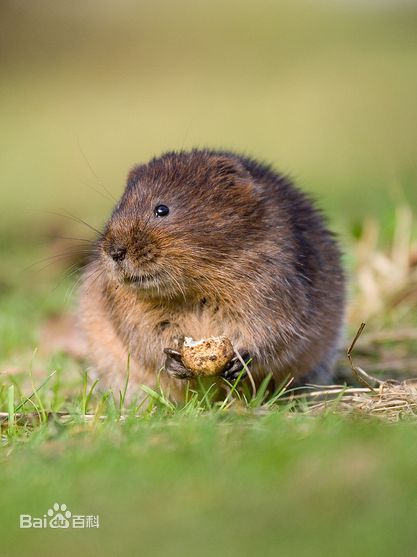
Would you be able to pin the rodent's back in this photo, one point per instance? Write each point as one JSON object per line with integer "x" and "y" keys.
{"x": 309, "y": 266}
{"x": 242, "y": 252}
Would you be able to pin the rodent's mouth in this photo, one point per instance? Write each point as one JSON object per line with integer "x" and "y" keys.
{"x": 143, "y": 281}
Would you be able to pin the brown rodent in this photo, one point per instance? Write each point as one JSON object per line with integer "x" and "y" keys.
{"x": 207, "y": 243}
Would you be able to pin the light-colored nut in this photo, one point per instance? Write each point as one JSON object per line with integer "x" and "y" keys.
{"x": 208, "y": 356}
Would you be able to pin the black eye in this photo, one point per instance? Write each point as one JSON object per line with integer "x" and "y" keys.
{"x": 161, "y": 211}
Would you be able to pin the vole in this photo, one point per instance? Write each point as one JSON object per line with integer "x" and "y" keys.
{"x": 205, "y": 243}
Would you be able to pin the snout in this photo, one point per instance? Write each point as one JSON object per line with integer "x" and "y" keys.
{"x": 132, "y": 254}
{"x": 117, "y": 253}
{"x": 141, "y": 254}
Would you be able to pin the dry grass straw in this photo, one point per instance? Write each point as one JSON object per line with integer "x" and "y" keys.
{"x": 391, "y": 402}
{"x": 388, "y": 400}
{"x": 384, "y": 279}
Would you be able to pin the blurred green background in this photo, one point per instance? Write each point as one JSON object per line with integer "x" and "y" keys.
{"x": 324, "y": 90}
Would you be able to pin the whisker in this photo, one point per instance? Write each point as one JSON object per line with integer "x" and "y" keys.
{"x": 103, "y": 194}
{"x": 93, "y": 172}
{"x": 79, "y": 220}
{"x": 74, "y": 286}
{"x": 53, "y": 258}
{"x": 90, "y": 241}
{"x": 73, "y": 269}
{"x": 95, "y": 279}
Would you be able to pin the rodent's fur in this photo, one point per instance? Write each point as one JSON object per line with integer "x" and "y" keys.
{"x": 243, "y": 253}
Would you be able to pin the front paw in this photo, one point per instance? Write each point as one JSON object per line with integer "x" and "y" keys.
{"x": 235, "y": 368}
{"x": 174, "y": 365}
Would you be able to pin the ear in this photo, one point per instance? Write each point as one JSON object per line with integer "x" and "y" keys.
{"x": 133, "y": 177}
{"x": 229, "y": 172}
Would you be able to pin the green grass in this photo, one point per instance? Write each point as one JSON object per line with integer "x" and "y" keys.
{"x": 222, "y": 483}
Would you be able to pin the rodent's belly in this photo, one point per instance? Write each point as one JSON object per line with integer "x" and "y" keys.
{"x": 153, "y": 331}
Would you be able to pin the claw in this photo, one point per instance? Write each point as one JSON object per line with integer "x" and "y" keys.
{"x": 235, "y": 367}
{"x": 174, "y": 366}
{"x": 173, "y": 354}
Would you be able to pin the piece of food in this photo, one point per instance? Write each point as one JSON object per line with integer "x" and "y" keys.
{"x": 208, "y": 356}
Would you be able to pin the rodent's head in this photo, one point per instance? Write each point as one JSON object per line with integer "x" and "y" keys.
{"x": 182, "y": 217}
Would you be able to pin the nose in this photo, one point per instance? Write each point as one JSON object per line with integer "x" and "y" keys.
{"x": 117, "y": 254}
